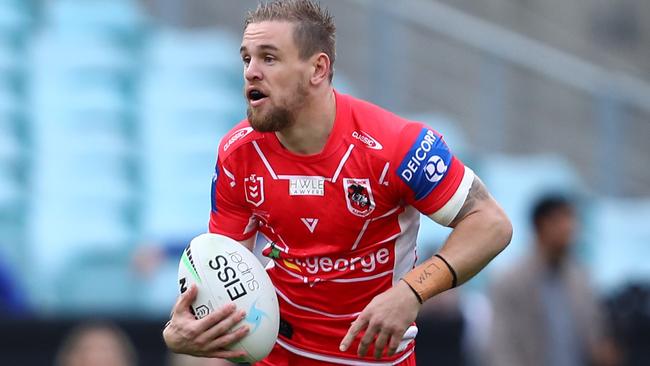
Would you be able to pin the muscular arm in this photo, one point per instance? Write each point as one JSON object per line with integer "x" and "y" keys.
{"x": 481, "y": 231}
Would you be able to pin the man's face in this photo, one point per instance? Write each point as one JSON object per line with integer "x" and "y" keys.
{"x": 557, "y": 231}
{"x": 276, "y": 80}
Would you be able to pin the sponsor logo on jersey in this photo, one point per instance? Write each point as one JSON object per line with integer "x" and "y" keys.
{"x": 321, "y": 265}
{"x": 367, "y": 140}
{"x": 358, "y": 196}
{"x": 310, "y": 223}
{"x": 307, "y": 186}
{"x": 254, "y": 188}
{"x": 275, "y": 250}
{"x": 425, "y": 163}
{"x": 236, "y": 136}
{"x": 435, "y": 169}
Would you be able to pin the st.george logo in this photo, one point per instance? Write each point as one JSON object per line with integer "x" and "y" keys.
{"x": 254, "y": 187}
{"x": 358, "y": 196}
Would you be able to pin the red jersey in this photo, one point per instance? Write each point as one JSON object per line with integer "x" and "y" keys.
{"x": 341, "y": 224}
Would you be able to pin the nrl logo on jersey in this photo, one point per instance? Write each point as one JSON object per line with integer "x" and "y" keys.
{"x": 358, "y": 196}
{"x": 254, "y": 188}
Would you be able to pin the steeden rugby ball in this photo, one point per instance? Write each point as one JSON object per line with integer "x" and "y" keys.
{"x": 225, "y": 271}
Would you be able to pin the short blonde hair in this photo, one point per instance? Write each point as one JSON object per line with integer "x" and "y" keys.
{"x": 314, "y": 32}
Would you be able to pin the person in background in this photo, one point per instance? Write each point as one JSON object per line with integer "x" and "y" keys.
{"x": 96, "y": 344}
{"x": 545, "y": 313}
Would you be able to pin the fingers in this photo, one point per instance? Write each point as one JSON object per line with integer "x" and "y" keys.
{"x": 394, "y": 343}
{"x": 380, "y": 343}
{"x": 216, "y": 317}
{"x": 354, "y": 329}
{"x": 223, "y": 326}
{"x": 371, "y": 332}
{"x": 185, "y": 300}
{"x": 228, "y": 339}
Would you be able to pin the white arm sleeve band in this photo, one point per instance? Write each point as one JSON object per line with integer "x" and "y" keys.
{"x": 447, "y": 213}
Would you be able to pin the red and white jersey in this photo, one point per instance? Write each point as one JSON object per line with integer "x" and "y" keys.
{"x": 341, "y": 224}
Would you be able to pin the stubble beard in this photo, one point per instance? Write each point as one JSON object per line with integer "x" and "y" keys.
{"x": 278, "y": 118}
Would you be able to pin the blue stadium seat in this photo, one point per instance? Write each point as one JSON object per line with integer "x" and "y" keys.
{"x": 516, "y": 182}
{"x": 205, "y": 50}
{"x": 78, "y": 57}
{"x": 121, "y": 18}
{"x": 96, "y": 283}
{"x": 618, "y": 242}
{"x": 16, "y": 17}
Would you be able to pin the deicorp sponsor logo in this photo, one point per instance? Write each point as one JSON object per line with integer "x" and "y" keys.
{"x": 368, "y": 140}
{"x": 425, "y": 164}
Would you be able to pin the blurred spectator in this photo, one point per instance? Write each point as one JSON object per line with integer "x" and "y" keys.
{"x": 96, "y": 344}
{"x": 545, "y": 313}
{"x": 629, "y": 308}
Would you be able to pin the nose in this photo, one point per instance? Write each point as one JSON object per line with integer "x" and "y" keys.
{"x": 252, "y": 71}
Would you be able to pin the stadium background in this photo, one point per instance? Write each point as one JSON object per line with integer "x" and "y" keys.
{"x": 111, "y": 111}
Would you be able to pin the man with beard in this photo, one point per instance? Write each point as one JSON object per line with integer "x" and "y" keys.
{"x": 337, "y": 186}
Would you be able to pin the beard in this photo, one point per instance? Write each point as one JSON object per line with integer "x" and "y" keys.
{"x": 277, "y": 119}
{"x": 281, "y": 117}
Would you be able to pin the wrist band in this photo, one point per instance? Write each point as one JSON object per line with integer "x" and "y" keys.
{"x": 431, "y": 278}
{"x": 454, "y": 281}
{"x": 415, "y": 292}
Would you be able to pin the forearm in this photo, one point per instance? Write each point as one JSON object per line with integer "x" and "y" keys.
{"x": 475, "y": 241}
{"x": 481, "y": 231}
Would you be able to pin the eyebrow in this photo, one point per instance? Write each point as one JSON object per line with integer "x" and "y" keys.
{"x": 264, "y": 47}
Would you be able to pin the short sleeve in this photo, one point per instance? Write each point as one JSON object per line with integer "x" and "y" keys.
{"x": 429, "y": 177}
{"x": 229, "y": 214}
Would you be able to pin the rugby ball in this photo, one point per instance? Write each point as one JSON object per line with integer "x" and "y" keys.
{"x": 225, "y": 271}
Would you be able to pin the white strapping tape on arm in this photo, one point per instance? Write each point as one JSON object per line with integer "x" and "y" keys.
{"x": 447, "y": 213}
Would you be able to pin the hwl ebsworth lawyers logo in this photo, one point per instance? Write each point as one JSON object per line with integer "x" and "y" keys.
{"x": 254, "y": 187}
{"x": 358, "y": 196}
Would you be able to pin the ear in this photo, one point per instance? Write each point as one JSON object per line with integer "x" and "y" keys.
{"x": 321, "y": 67}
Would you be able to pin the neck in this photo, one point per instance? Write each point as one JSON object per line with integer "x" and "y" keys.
{"x": 313, "y": 125}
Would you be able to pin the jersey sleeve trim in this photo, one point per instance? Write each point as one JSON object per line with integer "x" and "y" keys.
{"x": 236, "y": 237}
{"x": 447, "y": 213}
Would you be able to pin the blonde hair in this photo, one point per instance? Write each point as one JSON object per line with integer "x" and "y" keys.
{"x": 314, "y": 32}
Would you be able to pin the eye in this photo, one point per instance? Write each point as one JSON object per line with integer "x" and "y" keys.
{"x": 246, "y": 60}
{"x": 269, "y": 59}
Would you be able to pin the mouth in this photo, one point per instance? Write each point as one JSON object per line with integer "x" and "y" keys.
{"x": 256, "y": 97}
